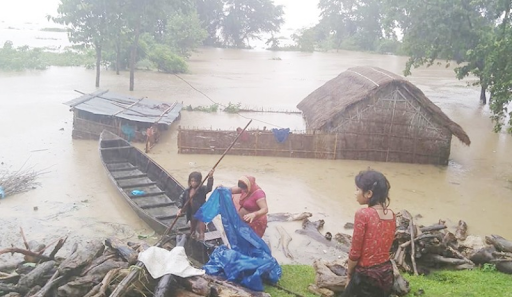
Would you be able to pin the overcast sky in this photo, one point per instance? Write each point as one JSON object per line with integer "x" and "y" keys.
{"x": 298, "y": 13}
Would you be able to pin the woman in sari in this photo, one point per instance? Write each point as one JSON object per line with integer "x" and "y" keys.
{"x": 253, "y": 207}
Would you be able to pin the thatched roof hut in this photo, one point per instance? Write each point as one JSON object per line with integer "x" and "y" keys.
{"x": 380, "y": 116}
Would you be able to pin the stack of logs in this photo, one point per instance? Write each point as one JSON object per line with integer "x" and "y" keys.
{"x": 437, "y": 247}
{"x": 417, "y": 249}
{"x": 96, "y": 269}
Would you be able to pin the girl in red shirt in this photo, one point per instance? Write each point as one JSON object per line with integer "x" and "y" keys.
{"x": 370, "y": 273}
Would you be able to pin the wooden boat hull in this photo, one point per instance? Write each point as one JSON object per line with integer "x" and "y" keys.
{"x": 151, "y": 191}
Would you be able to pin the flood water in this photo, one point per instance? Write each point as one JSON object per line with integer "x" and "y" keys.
{"x": 76, "y": 198}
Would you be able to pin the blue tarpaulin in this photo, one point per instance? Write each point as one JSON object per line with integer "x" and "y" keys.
{"x": 249, "y": 260}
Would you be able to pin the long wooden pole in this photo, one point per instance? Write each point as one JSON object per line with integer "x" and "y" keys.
{"x": 124, "y": 285}
{"x": 206, "y": 177}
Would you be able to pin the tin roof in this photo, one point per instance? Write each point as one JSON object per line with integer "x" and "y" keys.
{"x": 144, "y": 110}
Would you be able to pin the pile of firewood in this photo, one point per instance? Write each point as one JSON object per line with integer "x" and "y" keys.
{"x": 15, "y": 182}
{"x": 416, "y": 249}
{"x": 95, "y": 269}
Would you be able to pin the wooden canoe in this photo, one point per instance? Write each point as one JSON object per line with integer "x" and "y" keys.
{"x": 151, "y": 192}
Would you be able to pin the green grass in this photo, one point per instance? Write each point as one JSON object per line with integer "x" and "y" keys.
{"x": 295, "y": 278}
{"x": 468, "y": 283}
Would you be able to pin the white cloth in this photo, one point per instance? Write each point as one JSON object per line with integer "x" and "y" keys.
{"x": 159, "y": 262}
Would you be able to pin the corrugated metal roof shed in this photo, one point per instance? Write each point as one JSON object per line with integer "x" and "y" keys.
{"x": 134, "y": 109}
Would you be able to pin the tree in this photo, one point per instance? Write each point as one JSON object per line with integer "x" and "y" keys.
{"x": 183, "y": 33}
{"x": 245, "y": 19}
{"x": 359, "y": 20}
{"x": 211, "y": 15}
{"x": 87, "y": 25}
{"x": 447, "y": 29}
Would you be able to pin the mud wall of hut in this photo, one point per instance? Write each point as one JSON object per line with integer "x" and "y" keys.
{"x": 345, "y": 145}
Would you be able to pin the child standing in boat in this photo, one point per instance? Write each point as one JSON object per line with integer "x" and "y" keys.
{"x": 197, "y": 197}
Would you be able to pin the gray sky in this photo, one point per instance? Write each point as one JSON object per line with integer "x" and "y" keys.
{"x": 298, "y": 13}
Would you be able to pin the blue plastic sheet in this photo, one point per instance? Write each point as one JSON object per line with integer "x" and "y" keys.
{"x": 249, "y": 261}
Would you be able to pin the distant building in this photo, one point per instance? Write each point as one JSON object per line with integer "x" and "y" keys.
{"x": 379, "y": 116}
{"x": 128, "y": 117}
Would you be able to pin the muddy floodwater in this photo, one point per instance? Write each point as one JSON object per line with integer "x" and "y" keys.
{"x": 76, "y": 198}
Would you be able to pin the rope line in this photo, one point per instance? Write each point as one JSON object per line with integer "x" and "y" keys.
{"x": 245, "y": 117}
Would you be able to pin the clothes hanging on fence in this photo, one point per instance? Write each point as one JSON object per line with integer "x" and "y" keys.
{"x": 128, "y": 131}
{"x": 244, "y": 137}
{"x": 281, "y": 134}
{"x": 249, "y": 261}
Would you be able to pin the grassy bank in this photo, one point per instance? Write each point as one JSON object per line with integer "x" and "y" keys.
{"x": 482, "y": 282}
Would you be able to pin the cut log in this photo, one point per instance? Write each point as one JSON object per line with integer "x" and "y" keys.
{"x": 288, "y": 217}
{"x": 325, "y": 278}
{"x": 323, "y": 292}
{"x": 53, "y": 281}
{"x": 500, "y": 243}
{"x": 58, "y": 246}
{"x": 34, "y": 277}
{"x": 450, "y": 240}
{"x": 284, "y": 241}
{"x": 80, "y": 259}
{"x": 431, "y": 228}
{"x": 7, "y": 288}
{"x": 442, "y": 260}
{"x": 98, "y": 261}
{"x": 462, "y": 230}
{"x": 504, "y": 266}
{"x": 122, "y": 249}
{"x": 400, "y": 284}
{"x": 310, "y": 229}
{"x": 413, "y": 248}
{"x": 482, "y": 256}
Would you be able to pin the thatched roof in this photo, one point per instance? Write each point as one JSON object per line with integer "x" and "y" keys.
{"x": 358, "y": 83}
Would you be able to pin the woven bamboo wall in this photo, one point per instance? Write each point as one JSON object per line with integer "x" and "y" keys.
{"x": 256, "y": 143}
{"x": 388, "y": 127}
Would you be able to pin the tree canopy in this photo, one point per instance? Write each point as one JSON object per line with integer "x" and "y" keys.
{"x": 476, "y": 35}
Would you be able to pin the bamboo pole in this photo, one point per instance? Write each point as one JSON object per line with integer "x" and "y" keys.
{"x": 124, "y": 285}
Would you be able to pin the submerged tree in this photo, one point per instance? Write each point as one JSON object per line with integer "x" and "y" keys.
{"x": 211, "y": 15}
{"x": 87, "y": 25}
{"x": 246, "y": 19}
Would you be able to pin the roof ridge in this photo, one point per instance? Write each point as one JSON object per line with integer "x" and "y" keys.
{"x": 364, "y": 77}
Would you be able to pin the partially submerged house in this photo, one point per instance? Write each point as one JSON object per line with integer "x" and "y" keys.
{"x": 128, "y": 117}
{"x": 379, "y": 116}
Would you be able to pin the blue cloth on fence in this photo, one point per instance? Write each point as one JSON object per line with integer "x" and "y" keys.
{"x": 281, "y": 134}
{"x": 128, "y": 131}
{"x": 249, "y": 261}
